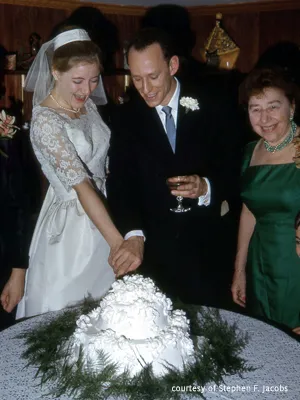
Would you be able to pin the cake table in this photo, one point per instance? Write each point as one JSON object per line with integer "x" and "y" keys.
{"x": 275, "y": 355}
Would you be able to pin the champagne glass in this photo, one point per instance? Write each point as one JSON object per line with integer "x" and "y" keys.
{"x": 174, "y": 186}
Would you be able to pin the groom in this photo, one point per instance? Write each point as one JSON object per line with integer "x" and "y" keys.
{"x": 167, "y": 134}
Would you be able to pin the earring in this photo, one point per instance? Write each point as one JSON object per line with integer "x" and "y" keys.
{"x": 55, "y": 77}
{"x": 291, "y": 117}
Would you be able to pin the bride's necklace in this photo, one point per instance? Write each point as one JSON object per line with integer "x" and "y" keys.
{"x": 64, "y": 108}
{"x": 284, "y": 143}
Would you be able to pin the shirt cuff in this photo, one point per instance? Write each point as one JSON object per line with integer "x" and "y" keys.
{"x": 204, "y": 200}
{"x": 134, "y": 233}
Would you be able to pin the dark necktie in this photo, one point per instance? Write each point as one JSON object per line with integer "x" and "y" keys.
{"x": 170, "y": 126}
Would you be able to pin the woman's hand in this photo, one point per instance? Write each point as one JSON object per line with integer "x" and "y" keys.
{"x": 297, "y": 330}
{"x": 13, "y": 291}
{"x": 128, "y": 256}
{"x": 238, "y": 288}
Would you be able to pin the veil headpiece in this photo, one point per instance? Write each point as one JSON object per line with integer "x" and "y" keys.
{"x": 39, "y": 79}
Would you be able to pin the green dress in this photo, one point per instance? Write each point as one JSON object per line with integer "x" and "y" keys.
{"x": 272, "y": 194}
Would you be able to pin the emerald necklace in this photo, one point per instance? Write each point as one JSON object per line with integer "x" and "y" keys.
{"x": 282, "y": 145}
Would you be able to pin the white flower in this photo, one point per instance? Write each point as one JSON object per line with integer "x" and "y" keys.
{"x": 189, "y": 103}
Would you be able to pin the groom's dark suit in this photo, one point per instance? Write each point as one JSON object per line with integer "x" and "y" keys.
{"x": 185, "y": 253}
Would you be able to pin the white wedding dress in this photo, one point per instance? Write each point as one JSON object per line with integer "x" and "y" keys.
{"x": 68, "y": 255}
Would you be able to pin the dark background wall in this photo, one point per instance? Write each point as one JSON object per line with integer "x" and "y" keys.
{"x": 254, "y": 27}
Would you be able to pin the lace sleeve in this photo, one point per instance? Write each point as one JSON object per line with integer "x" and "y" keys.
{"x": 50, "y": 139}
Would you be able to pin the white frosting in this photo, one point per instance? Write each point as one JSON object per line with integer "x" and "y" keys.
{"x": 134, "y": 309}
{"x": 134, "y": 326}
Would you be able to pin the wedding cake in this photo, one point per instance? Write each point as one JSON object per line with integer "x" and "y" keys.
{"x": 134, "y": 325}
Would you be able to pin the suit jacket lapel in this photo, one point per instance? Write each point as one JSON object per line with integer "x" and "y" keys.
{"x": 181, "y": 116}
{"x": 185, "y": 117}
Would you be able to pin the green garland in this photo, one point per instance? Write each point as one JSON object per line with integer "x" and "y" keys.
{"x": 219, "y": 356}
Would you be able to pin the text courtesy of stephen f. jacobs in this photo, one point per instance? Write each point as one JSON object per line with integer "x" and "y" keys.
{"x": 232, "y": 389}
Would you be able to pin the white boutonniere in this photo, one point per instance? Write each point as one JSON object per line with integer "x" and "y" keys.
{"x": 189, "y": 103}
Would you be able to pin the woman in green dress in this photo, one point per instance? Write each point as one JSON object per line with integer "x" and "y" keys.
{"x": 267, "y": 269}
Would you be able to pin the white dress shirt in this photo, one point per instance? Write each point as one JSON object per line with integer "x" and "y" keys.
{"x": 203, "y": 200}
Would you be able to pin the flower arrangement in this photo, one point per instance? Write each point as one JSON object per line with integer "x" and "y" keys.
{"x": 7, "y": 128}
{"x": 189, "y": 103}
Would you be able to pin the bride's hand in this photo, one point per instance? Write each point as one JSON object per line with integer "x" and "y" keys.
{"x": 128, "y": 256}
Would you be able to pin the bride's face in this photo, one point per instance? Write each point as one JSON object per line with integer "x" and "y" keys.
{"x": 73, "y": 88}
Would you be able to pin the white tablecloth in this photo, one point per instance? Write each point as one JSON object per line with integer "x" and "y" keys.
{"x": 275, "y": 354}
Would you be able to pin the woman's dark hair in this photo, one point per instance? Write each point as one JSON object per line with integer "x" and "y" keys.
{"x": 261, "y": 79}
{"x": 297, "y": 221}
{"x": 70, "y": 54}
{"x": 285, "y": 55}
{"x": 148, "y": 36}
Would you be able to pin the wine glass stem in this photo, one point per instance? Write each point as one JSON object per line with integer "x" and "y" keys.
{"x": 179, "y": 200}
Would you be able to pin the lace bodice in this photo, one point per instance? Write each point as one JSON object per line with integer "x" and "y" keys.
{"x": 70, "y": 150}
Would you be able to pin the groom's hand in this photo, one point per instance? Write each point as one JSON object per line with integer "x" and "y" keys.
{"x": 190, "y": 186}
{"x": 128, "y": 257}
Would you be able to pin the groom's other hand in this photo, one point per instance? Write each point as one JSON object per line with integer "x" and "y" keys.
{"x": 128, "y": 257}
{"x": 191, "y": 186}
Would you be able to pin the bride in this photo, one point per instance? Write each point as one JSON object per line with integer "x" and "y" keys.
{"x": 74, "y": 237}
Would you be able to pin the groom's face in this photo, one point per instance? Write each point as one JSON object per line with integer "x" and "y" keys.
{"x": 153, "y": 75}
